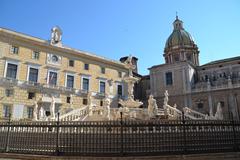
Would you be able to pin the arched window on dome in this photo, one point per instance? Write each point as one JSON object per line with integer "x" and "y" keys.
{"x": 189, "y": 57}
{"x": 176, "y": 58}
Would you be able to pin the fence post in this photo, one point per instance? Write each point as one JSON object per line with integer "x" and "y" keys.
{"x": 57, "y": 136}
{"x": 121, "y": 122}
{"x": 184, "y": 134}
{"x": 235, "y": 146}
{"x": 8, "y": 133}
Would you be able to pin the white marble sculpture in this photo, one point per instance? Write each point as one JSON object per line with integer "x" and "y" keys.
{"x": 35, "y": 111}
{"x": 219, "y": 114}
{"x": 56, "y": 35}
{"x": 107, "y": 102}
{"x": 175, "y": 115}
{"x": 42, "y": 114}
{"x": 130, "y": 80}
{"x": 52, "y": 108}
{"x": 166, "y": 98}
{"x": 152, "y": 107}
{"x": 165, "y": 103}
{"x": 90, "y": 108}
{"x": 130, "y": 65}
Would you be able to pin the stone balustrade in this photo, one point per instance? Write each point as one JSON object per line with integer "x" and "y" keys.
{"x": 75, "y": 115}
{"x": 216, "y": 85}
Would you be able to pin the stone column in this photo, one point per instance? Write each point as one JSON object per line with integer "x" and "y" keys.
{"x": 171, "y": 58}
{"x": 210, "y": 105}
{"x": 233, "y": 106}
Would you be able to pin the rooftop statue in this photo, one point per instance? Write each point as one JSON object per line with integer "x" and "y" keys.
{"x": 56, "y": 35}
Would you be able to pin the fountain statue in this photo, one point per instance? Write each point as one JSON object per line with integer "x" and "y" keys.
{"x": 42, "y": 115}
{"x": 165, "y": 103}
{"x": 35, "y": 111}
{"x": 130, "y": 80}
{"x": 219, "y": 115}
{"x": 152, "y": 107}
{"x": 107, "y": 102}
{"x": 52, "y": 108}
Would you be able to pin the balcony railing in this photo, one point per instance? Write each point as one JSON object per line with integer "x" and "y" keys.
{"x": 216, "y": 85}
{"x": 8, "y": 81}
{"x": 101, "y": 95}
{"x": 82, "y": 92}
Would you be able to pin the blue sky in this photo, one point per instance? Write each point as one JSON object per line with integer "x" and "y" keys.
{"x": 116, "y": 28}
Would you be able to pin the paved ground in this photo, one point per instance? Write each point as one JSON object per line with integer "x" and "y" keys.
{"x": 212, "y": 156}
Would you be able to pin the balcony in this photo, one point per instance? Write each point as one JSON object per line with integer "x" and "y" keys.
{"x": 100, "y": 95}
{"x": 47, "y": 98}
{"x": 68, "y": 90}
{"x": 82, "y": 92}
{"x": 9, "y": 82}
{"x": 30, "y": 85}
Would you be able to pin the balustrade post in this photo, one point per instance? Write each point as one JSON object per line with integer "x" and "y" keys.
{"x": 235, "y": 145}
{"x": 121, "y": 122}
{"x": 57, "y": 136}
{"x": 8, "y": 133}
{"x": 184, "y": 134}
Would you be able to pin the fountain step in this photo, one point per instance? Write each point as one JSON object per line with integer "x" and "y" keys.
{"x": 160, "y": 111}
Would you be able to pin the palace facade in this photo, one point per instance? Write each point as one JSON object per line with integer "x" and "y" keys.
{"x": 36, "y": 71}
{"x": 199, "y": 87}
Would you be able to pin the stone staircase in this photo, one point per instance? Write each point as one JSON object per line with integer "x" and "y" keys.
{"x": 75, "y": 115}
{"x": 174, "y": 113}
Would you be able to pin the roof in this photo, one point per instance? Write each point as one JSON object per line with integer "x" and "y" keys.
{"x": 167, "y": 64}
{"x": 222, "y": 61}
{"x": 45, "y": 43}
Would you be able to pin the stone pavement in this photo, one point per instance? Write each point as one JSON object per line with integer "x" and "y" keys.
{"x": 210, "y": 156}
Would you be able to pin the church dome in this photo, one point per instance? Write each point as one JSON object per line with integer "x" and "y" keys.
{"x": 179, "y": 36}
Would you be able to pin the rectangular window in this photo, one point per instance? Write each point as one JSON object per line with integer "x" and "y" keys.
{"x": 70, "y": 81}
{"x": 102, "y": 87}
{"x": 86, "y": 66}
{"x": 85, "y": 101}
{"x": 30, "y": 112}
{"x": 120, "y": 74}
{"x": 200, "y": 105}
{"x": 6, "y": 111}
{"x": 102, "y": 70}
{"x": 9, "y": 92}
{"x": 169, "y": 80}
{"x": 68, "y": 99}
{"x": 101, "y": 103}
{"x": 33, "y": 75}
{"x": 85, "y": 84}
{"x": 31, "y": 95}
{"x": 71, "y": 63}
{"x": 11, "y": 71}
{"x": 222, "y": 103}
{"x": 119, "y": 90}
{"x": 35, "y": 55}
{"x": 14, "y": 50}
{"x": 52, "y": 78}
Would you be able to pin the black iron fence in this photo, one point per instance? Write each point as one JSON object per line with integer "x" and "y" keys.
{"x": 120, "y": 138}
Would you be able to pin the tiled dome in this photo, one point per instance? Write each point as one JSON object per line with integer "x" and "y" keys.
{"x": 179, "y": 36}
